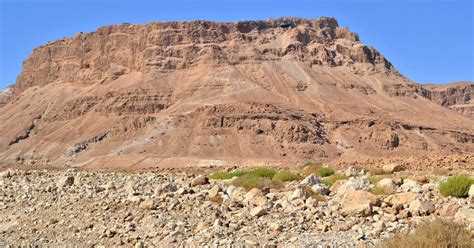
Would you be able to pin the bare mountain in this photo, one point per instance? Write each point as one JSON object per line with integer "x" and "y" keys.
{"x": 199, "y": 93}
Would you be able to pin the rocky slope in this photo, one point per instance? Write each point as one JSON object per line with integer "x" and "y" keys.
{"x": 197, "y": 93}
{"x": 41, "y": 208}
{"x": 456, "y": 96}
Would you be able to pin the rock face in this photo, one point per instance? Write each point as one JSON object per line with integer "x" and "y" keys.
{"x": 456, "y": 96}
{"x": 204, "y": 93}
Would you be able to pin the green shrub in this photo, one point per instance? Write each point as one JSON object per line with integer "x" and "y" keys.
{"x": 374, "y": 179}
{"x": 250, "y": 181}
{"x": 325, "y": 171}
{"x": 310, "y": 163}
{"x": 285, "y": 176}
{"x": 223, "y": 175}
{"x": 220, "y": 175}
{"x": 377, "y": 190}
{"x": 263, "y": 172}
{"x": 457, "y": 186}
{"x": 436, "y": 234}
{"x": 375, "y": 171}
{"x": 332, "y": 179}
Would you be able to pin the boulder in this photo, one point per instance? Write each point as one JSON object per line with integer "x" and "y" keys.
{"x": 320, "y": 189}
{"x": 410, "y": 186}
{"x": 465, "y": 214}
{"x": 214, "y": 191}
{"x": 387, "y": 183}
{"x": 449, "y": 209}
{"x": 391, "y": 168}
{"x": 200, "y": 180}
{"x": 65, "y": 181}
{"x": 400, "y": 198}
{"x": 148, "y": 204}
{"x": 258, "y": 211}
{"x": 358, "y": 203}
{"x": 310, "y": 180}
{"x": 5, "y": 174}
{"x": 471, "y": 191}
{"x": 297, "y": 194}
{"x": 353, "y": 184}
{"x": 421, "y": 207}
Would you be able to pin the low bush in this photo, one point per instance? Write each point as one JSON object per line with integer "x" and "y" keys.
{"x": 329, "y": 181}
{"x": 263, "y": 172}
{"x": 250, "y": 181}
{"x": 436, "y": 234}
{"x": 377, "y": 190}
{"x": 457, "y": 186}
{"x": 312, "y": 163}
{"x": 376, "y": 171}
{"x": 223, "y": 175}
{"x": 325, "y": 171}
{"x": 285, "y": 176}
{"x": 309, "y": 169}
{"x": 374, "y": 179}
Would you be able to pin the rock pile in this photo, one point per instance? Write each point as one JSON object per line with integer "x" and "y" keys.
{"x": 45, "y": 207}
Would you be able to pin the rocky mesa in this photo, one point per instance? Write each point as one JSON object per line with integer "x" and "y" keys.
{"x": 171, "y": 94}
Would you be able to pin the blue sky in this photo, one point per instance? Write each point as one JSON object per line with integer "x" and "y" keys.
{"x": 429, "y": 41}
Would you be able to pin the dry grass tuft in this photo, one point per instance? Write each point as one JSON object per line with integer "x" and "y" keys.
{"x": 437, "y": 234}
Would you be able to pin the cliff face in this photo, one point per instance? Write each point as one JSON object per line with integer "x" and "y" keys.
{"x": 115, "y": 50}
{"x": 206, "y": 93}
{"x": 456, "y": 96}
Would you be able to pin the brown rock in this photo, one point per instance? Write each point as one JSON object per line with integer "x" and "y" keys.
{"x": 200, "y": 180}
{"x": 358, "y": 203}
{"x": 449, "y": 209}
{"x": 400, "y": 198}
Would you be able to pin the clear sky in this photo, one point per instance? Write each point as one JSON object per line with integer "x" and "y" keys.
{"x": 429, "y": 41}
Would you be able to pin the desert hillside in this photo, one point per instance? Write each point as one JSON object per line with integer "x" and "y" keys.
{"x": 275, "y": 92}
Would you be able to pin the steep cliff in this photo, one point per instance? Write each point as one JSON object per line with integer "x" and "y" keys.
{"x": 456, "y": 96}
{"x": 206, "y": 93}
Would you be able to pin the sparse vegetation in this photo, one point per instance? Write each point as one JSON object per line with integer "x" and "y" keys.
{"x": 439, "y": 233}
{"x": 325, "y": 171}
{"x": 249, "y": 181}
{"x": 376, "y": 171}
{"x": 374, "y": 179}
{"x": 329, "y": 181}
{"x": 312, "y": 163}
{"x": 223, "y": 175}
{"x": 263, "y": 172}
{"x": 309, "y": 169}
{"x": 457, "y": 186}
{"x": 285, "y": 176}
{"x": 377, "y": 190}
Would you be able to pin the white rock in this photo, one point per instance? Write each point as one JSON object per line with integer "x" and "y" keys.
{"x": 65, "y": 181}
{"x": 386, "y": 183}
{"x": 310, "y": 180}
{"x": 391, "y": 168}
{"x": 471, "y": 191}
{"x": 465, "y": 214}
{"x": 258, "y": 211}
{"x": 410, "y": 186}
{"x": 320, "y": 189}
{"x": 214, "y": 191}
{"x": 422, "y": 207}
{"x": 297, "y": 194}
{"x": 5, "y": 174}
